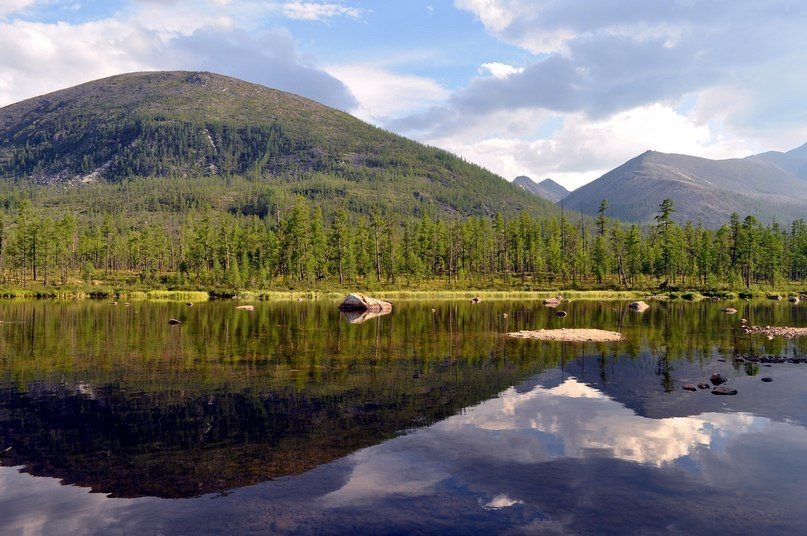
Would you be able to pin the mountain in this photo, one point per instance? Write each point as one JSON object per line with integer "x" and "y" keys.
{"x": 205, "y": 126}
{"x": 702, "y": 190}
{"x": 546, "y": 189}
{"x": 793, "y": 162}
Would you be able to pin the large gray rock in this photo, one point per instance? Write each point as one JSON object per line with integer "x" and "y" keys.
{"x": 360, "y": 302}
{"x": 638, "y": 306}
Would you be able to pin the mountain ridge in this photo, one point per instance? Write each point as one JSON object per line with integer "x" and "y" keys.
{"x": 703, "y": 190}
{"x": 547, "y": 188}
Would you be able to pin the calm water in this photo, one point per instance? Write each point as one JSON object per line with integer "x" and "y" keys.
{"x": 291, "y": 419}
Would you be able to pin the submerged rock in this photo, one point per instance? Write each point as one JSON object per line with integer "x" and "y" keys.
{"x": 767, "y": 379}
{"x": 717, "y": 379}
{"x": 722, "y": 390}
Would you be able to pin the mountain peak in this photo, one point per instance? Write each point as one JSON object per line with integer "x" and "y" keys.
{"x": 547, "y": 188}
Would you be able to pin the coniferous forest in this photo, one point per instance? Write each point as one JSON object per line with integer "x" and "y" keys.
{"x": 265, "y": 243}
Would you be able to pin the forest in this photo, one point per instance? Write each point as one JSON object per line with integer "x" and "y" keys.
{"x": 259, "y": 245}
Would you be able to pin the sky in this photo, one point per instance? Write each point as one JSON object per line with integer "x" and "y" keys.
{"x": 561, "y": 89}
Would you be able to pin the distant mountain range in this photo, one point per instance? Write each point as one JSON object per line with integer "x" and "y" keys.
{"x": 547, "y": 188}
{"x": 770, "y": 186}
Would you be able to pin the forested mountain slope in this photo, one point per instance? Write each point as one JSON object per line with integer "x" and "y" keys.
{"x": 207, "y": 126}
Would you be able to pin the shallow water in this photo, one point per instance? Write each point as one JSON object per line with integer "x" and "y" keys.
{"x": 290, "y": 419}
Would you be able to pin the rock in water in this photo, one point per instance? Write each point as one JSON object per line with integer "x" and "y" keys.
{"x": 703, "y": 385}
{"x": 724, "y": 391}
{"x": 246, "y": 307}
{"x": 174, "y": 321}
{"x": 730, "y": 310}
{"x": 689, "y": 387}
{"x": 638, "y": 306}
{"x": 360, "y": 302}
{"x": 767, "y": 379}
{"x": 717, "y": 379}
{"x": 560, "y": 313}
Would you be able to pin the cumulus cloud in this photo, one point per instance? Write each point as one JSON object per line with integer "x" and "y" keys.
{"x": 382, "y": 94}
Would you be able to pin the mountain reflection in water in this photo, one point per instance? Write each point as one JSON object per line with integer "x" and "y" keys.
{"x": 415, "y": 422}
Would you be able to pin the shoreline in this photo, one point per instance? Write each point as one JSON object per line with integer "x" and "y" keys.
{"x": 72, "y": 294}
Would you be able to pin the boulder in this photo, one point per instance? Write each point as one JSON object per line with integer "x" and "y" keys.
{"x": 638, "y": 306}
{"x": 724, "y": 391}
{"x": 360, "y": 302}
{"x": 717, "y": 379}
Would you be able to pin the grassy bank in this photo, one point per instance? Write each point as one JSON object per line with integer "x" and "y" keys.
{"x": 79, "y": 293}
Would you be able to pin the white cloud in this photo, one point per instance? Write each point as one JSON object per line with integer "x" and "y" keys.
{"x": 69, "y": 54}
{"x": 315, "y": 11}
{"x": 383, "y": 94}
{"x": 499, "y": 70}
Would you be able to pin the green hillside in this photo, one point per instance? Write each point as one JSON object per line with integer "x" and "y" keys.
{"x": 207, "y": 126}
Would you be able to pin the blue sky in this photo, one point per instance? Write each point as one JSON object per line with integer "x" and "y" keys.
{"x": 566, "y": 89}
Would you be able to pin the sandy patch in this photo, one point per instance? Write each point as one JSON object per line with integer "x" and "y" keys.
{"x": 572, "y": 335}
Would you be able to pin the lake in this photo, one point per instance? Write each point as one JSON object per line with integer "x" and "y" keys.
{"x": 292, "y": 419}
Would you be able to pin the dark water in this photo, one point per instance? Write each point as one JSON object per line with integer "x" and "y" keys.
{"x": 290, "y": 419}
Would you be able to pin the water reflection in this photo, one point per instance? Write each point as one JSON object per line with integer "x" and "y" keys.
{"x": 561, "y": 459}
{"x": 422, "y": 421}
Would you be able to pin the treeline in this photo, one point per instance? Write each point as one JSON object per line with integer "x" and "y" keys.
{"x": 303, "y": 249}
